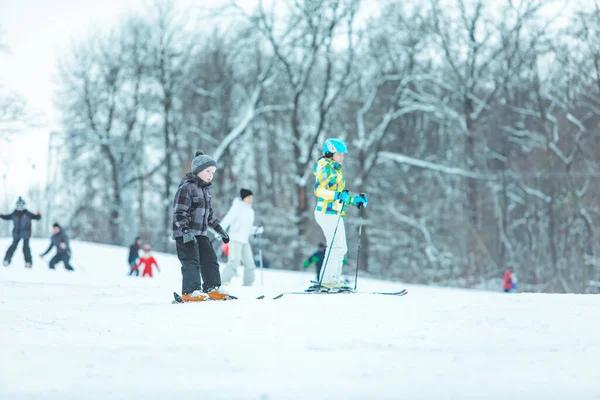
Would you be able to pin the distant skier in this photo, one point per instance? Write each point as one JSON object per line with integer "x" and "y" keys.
{"x": 134, "y": 250}
{"x": 317, "y": 258}
{"x": 510, "y": 281}
{"x": 148, "y": 261}
{"x": 192, "y": 216}
{"x": 332, "y": 197}
{"x": 60, "y": 240}
{"x": 21, "y": 230}
{"x": 239, "y": 222}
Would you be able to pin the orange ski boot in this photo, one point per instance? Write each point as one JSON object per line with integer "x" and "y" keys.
{"x": 217, "y": 293}
{"x": 196, "y": 295}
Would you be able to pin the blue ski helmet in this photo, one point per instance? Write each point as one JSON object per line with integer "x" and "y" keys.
{"x": 334, "y": 145}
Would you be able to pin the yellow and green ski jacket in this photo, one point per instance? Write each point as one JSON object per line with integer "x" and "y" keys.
{"x": 328, "y": 180}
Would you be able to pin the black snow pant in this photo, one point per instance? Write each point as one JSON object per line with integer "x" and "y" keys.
{"x": 13, "y": 247}
{"x": 319, "y": 266}
{"x": 198, "y": 259}
{"x": 62, "y": 256}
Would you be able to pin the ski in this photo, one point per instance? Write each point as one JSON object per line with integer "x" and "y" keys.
{"x": 315, "y": 288}
{"x": 262, "y": 297}
{"x": 402, "y": 292}
{"x": 179, "y": 300}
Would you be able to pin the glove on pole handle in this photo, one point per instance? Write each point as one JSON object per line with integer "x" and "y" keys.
{"x": 331, "y": 245}
{"x": 360, "y": 205}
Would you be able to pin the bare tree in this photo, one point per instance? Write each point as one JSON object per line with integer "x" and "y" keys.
{"x": 171, "y": 49}
{"x": 101, "y": 96}
{"x": 451, "y": 109}
{"x": 15, "y": 114}
{"x": 389, "y": 87}
{"x": 475, "y": 47}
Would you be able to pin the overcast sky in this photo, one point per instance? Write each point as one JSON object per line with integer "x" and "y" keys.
{"x": 37, "y": 32}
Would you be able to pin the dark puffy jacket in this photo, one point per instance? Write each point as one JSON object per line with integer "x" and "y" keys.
{"x": 21, "y": 223}
{"x": 192, "y": 208}
{"x": 56, "y": 240}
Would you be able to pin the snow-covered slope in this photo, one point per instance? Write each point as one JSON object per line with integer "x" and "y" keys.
{"x": 98, "y": 334}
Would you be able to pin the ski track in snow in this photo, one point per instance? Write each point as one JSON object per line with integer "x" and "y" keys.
{"x": 98, "y": 334}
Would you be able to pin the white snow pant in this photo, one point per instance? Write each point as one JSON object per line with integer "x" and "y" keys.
{"x": 332, "y": 272}
{"x": 239, "y": 252}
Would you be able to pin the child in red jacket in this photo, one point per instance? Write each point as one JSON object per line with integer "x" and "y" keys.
{"x": 510, "y": 281}
{"x": 148, "y": 260}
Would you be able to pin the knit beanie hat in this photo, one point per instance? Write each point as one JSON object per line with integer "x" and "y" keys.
{"x": 56, "y": 225}
{"x": 201, "y": 162}
{"x": 245, "y": 193}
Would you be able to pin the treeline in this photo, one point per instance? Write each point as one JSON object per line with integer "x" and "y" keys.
{"x": 472, "y": 126}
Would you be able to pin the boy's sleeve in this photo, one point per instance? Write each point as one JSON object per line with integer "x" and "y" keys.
{"x": 34, "y": 216}
{"x": 214, "y": 222}
{"x": 216, "y": 225}
{"x": 49, "y": 248}
{"x": 324, "y": 181}
{"x": 183, "y": 202}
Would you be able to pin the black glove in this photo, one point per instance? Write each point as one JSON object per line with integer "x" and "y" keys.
{"x": 219, "y": 229}
{"x": 188, "y": 236}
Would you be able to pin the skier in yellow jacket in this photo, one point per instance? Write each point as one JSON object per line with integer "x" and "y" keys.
{"x": 332, "y": 199}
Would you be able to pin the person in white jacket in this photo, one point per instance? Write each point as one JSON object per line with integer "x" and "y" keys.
{"x": 239, "y": 223}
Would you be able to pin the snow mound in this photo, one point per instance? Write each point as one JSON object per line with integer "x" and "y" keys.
{"x": 97, "y": 333}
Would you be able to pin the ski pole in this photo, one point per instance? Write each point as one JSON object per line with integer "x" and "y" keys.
{"x": 331, "y": 245}
{"x": 260, "y": 263}
{"x": 260, "y": 260}
{"x": 360, "y": 224}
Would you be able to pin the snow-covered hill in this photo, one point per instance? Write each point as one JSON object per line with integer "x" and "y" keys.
{"x": 99, "y": 334}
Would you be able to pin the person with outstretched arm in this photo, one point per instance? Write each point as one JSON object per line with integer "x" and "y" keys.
{"x": 148, "y": 261}
{"x": 21, "y": 218}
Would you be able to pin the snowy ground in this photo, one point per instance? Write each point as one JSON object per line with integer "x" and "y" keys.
{"x": 99, "y": 334}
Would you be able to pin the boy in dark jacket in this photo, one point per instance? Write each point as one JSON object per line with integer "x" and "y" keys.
{"x": 22, "y": 230}
{"x": 134, "y": 254}
{"x": 192, "y": 216}
{"x": 60, "y": 240}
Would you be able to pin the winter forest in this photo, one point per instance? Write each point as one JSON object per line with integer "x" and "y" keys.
{"x": 471, "y": 125}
